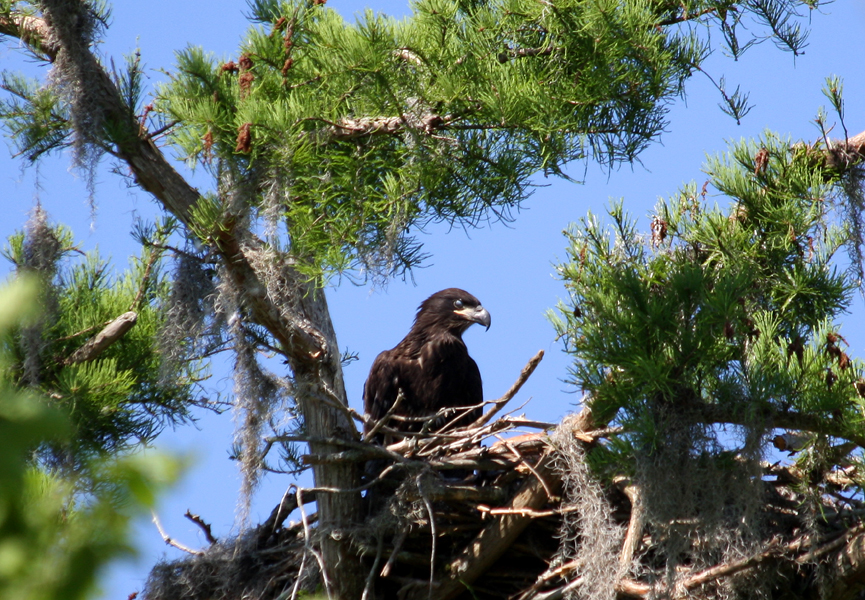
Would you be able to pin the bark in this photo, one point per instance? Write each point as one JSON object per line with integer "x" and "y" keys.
{"x": 307, "y": 340}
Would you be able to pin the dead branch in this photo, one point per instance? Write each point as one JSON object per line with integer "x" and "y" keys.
{"x": 512, "y": 391}
{"x": 517, "y": 422}
{"x": 172, "y": 542}
{"x": 280, "y": 513}
{"x": 397, "y": 546}
{"x": 635, "y": 524}
{"x": 145, "y": 278}
{"x": 346, "y": 128}
{"x": 421, "y": 487}
{"x": 370, "y": 578}
{"x": 400, "y": 396}
{"x": 711, "y": 414}
{"x": 525, "y": 512}
{"x": 109, "y": 334}
{"x": 452, "y": 463}
{"x": 547, "y": 487}
{"x": 791, "y": 550}
{"x": 205, "y": 527}
{"x": 437, "y": 490}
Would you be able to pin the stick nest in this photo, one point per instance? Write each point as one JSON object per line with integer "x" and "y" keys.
{"x": 525, "y": 517}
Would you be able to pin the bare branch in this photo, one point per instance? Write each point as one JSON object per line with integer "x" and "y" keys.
{"x": 171, "y": 542}
{"x": 512, "y": 391}
{"x": 112, "y": 332}
{"x": 205, "y": 527}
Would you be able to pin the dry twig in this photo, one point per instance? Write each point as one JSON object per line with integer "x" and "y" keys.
{"x": 512, "y": 391}
{"x": 172, "y": 542}
{"x": 205, "y": 527}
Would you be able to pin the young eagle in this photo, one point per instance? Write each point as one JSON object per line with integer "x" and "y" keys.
{"x": 431, "y": 365}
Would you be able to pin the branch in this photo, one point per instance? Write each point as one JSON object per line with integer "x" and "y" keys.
{"x": 171, "y": 542}
{"x": 710, "y": 414}
{"x": 366, "y": 451}
{"x": 205, "y": 527}
{"x": 685, "y": 16}
{"x": 31, "y": 30}
{"x": 400, "y": 396}
{"x": 636, "y": 523}
{"x": 851, "y": 538}
{"x": 523, "y": 377}
{"x": 156, "y": 175}
{"x": 513, "y": 53}
{"x": 112, "y": 332}
{"x": 525, "y": 512}
{"x": 349, "y": 129}
{"x": 281, "y": 512}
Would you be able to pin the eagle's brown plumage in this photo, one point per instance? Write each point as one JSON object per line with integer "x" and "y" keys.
{"x": 431, "y": 365}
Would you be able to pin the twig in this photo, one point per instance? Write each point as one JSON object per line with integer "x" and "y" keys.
{"x": 498, "y": 404}
{"x": 537, "y": 474}
{"x": 280, "y": 513}
{"x": 307, "y": 542}
{"x": 397, "y": 546}
{"x": 296, "y": 585}
{"x": 474, "y": 464}
{"x": 461, "y": 412}
{"x": 208, "y": 534}
{"x": 558, "y": 594}
{"x": 357, "y": 490}
{"x": 400, "y": 396}
{"x": 686, "y": 17}
{"x": 371, "y": 449}
{"x": 532, "y": 593}
{"x": 154, "y": 256}
{"x": 333, "y": 401}
{"x": 152, "y": 134}
{"x": 432, "y": 524}
{"x": 171, "y": 542}
{"x": 520, "y": 422}
{"x": 523, "y": 512}
{"x": 370, "y": 578}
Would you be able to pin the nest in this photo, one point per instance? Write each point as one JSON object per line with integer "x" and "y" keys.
{"x": 524, "y": 518}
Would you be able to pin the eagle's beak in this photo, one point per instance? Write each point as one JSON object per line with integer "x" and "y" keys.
{"x": 479, "y": 315}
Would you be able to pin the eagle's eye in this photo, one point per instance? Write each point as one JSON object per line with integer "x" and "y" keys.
{"x": 458, "y": 304}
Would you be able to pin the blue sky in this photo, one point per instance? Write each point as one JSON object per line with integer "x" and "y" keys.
{"x": 508, "y": 266}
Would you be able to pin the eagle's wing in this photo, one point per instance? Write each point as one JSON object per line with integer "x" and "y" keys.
{"x": 390, "y": 371}
{"x": 450, "y": 378}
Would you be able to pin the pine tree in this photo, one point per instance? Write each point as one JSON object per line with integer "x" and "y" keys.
{"x": 92, "y": 348}
{"x": 705, "y": 342}
{"x": 54, "y": 537}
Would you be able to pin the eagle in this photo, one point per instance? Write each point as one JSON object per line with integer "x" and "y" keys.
{"x": 431, "y": 366}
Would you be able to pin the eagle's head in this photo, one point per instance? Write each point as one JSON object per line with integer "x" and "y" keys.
{"x": 452, "y": 309}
